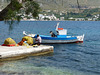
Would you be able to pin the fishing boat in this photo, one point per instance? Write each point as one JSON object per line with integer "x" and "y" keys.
{"x": 60, "y": 38}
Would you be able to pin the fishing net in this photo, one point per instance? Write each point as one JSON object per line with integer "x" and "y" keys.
{"x": 28, "y": 39}
{"x": 9, "y": 41}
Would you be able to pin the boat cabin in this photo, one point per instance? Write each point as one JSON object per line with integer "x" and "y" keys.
{"x": 61, "y": 32}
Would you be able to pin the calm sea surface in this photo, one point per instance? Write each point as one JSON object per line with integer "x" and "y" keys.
{"x": 67, "y": 59}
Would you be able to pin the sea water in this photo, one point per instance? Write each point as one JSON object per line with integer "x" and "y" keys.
{"x": 67, "y": 59}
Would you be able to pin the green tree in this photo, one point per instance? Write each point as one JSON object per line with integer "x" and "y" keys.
{"x": 16, "y": 7}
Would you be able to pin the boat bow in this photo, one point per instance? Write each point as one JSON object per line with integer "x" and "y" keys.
{"x": 31, "y": 35}
{"x": 80, "y": 38}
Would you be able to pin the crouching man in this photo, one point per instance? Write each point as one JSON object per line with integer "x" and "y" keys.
{"x": 38, "y": 40}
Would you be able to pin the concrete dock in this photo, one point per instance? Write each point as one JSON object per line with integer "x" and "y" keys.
{"x": 17, "y": 52}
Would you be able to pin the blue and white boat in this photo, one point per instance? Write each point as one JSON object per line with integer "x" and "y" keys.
{"x": 62, "y": 37}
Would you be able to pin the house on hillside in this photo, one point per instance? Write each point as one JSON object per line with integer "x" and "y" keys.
{"x": 79, "y": 19}
{"x": 45, "y": 17}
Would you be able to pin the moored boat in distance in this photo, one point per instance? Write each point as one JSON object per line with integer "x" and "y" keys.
{"x": 60, "y": 38}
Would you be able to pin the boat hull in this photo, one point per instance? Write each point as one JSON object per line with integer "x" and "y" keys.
{"x": 61, "y": 40}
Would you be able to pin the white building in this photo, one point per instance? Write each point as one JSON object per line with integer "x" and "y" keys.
{"x": 62, "y": 18}
{"x": 45, "y": 17}
{"x": 79, "y": 19}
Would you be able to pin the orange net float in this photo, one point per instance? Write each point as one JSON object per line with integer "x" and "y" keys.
{"x": 8, "y": 45}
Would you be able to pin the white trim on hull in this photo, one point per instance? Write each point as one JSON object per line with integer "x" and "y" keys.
{"x": 60, "y": 41}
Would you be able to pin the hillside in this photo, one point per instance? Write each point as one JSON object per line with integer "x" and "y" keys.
{"x": 62, "y": 4}
{"x": 68, "y": 4}
{"x": 3, "y": 3}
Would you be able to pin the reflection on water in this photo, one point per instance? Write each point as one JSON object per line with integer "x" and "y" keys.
{"x": 11, "y": 24}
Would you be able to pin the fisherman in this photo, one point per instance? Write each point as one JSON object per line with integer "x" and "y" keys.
{"x": 52, "y": 34}
{"x": 22, "y": 42}
{"x": 38, "y": 40}
{"x": 57, "y": 32}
